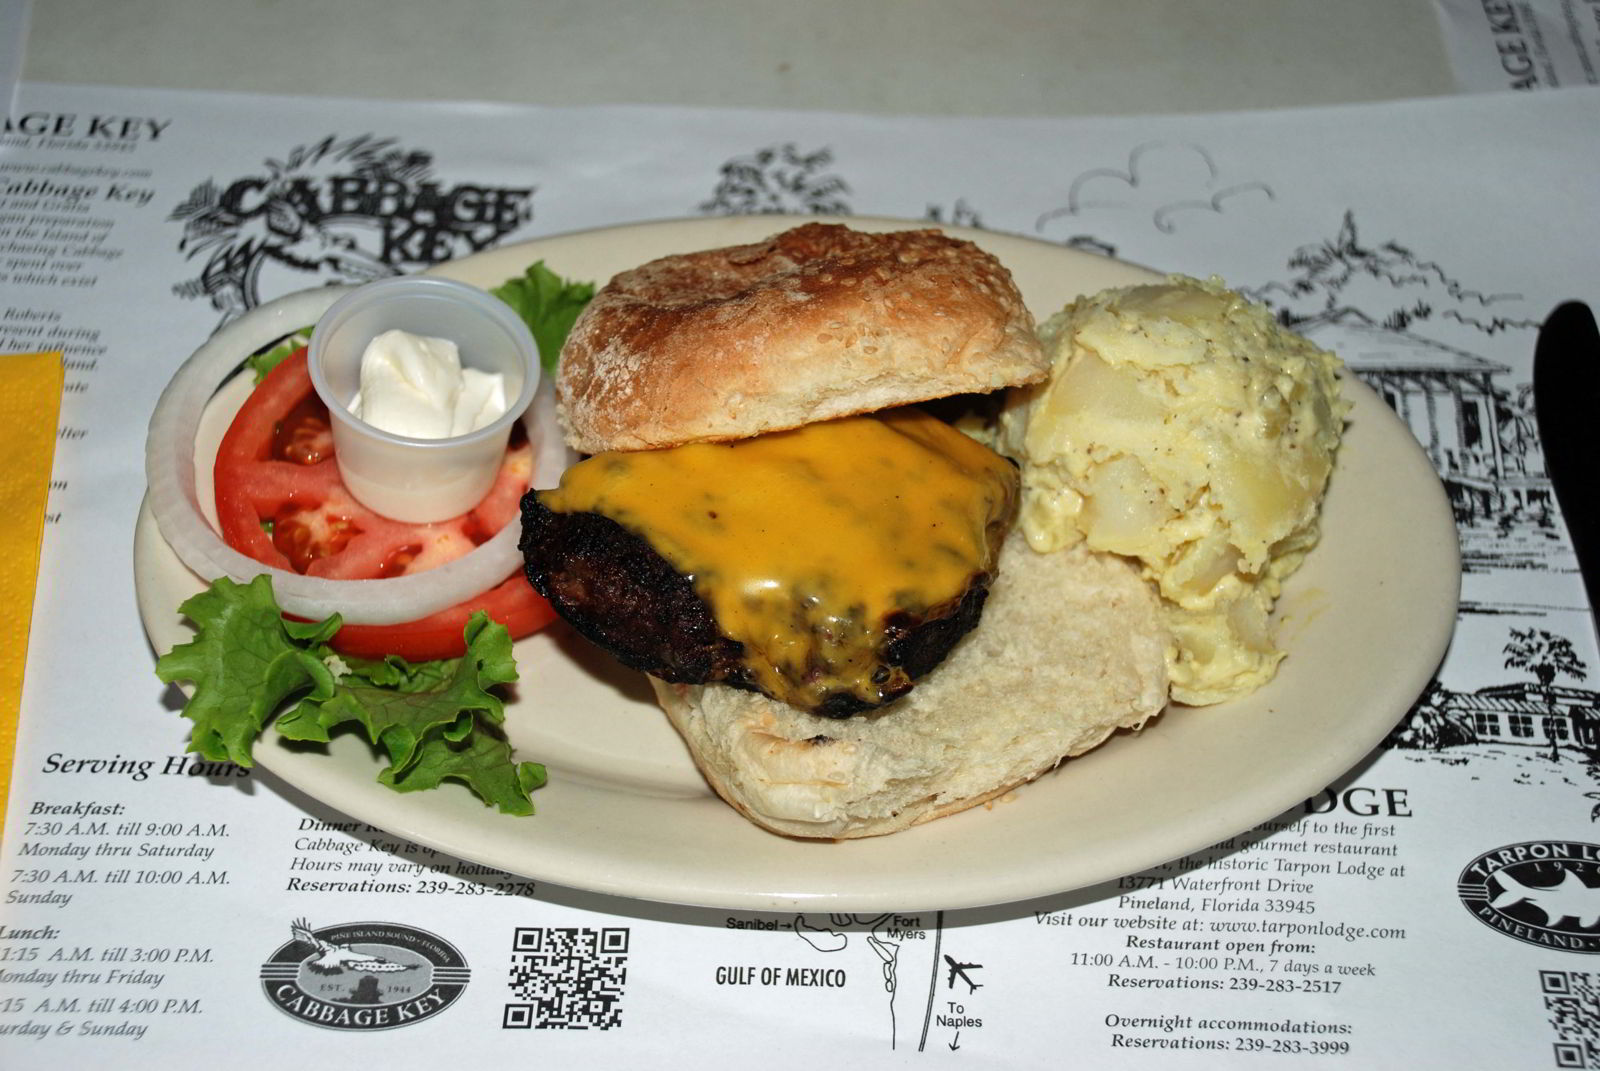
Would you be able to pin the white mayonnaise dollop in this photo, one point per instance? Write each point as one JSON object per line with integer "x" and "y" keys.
{"x": 415, "y": 385}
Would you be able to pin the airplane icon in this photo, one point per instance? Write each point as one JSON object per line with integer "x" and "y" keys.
{"x": 962, "y": 969}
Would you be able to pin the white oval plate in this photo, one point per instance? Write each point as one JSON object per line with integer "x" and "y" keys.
{"x": 1365, "y": 622}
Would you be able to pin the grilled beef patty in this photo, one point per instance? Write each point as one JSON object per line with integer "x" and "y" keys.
{"x": 616, "y": 590}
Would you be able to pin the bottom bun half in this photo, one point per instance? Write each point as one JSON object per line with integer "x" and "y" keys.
{"x": 1070, "y": 648}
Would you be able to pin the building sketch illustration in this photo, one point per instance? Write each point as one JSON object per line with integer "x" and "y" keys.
{"x": 1378, "y": 306}
{"x": 1478, "y": 434}
{"x": 1526, "y": 714}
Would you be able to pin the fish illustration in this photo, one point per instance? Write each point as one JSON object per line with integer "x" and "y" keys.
{"x": 1573, "y": 898}
{"x": 330, "y": 958}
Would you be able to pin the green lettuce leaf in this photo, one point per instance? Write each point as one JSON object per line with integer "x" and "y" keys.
{"x": 263, "y": 361}
{"x": 549, "y": 305}
{"x": 434, "y": 720}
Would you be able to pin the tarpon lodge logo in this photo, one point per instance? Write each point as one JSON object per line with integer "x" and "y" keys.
{"x": 336, "y": 211}
{"x": 1546, "y": 893}
{"x": 364, "y": 975}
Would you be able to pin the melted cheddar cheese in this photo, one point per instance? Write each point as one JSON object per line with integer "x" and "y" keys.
{"x": 804, "y": 542}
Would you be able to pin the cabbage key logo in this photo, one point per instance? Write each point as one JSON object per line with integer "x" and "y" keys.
{"x": 363, "y": 975}
{"x": 337, "y": 211}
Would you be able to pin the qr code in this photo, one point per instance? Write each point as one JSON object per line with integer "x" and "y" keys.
{"x": 1573, "y": 1000}
{"x": 567, "y": 978}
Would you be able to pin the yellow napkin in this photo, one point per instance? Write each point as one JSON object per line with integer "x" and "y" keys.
{"x": 30, "y": 401}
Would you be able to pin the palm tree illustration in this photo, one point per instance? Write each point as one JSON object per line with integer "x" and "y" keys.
{"x": 1547, "y": 656}
{"x": 779, "y": 180}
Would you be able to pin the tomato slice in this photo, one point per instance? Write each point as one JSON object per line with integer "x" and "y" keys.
{"x": 514, "y": 604}
{"x": 280, "y": 501}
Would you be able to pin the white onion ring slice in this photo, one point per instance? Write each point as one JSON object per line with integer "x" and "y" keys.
{"x": 170, "y": 472}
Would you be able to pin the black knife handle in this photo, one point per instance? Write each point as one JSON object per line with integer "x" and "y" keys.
{"x": 1566, "y": 391}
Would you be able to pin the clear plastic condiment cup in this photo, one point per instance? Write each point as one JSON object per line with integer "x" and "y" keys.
{"x": 399, "y": 476}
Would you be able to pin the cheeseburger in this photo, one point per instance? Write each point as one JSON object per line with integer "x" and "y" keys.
{"x": 819, "y": 576}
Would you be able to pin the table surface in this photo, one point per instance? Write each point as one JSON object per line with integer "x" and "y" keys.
{"x": 943, "y": 57}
